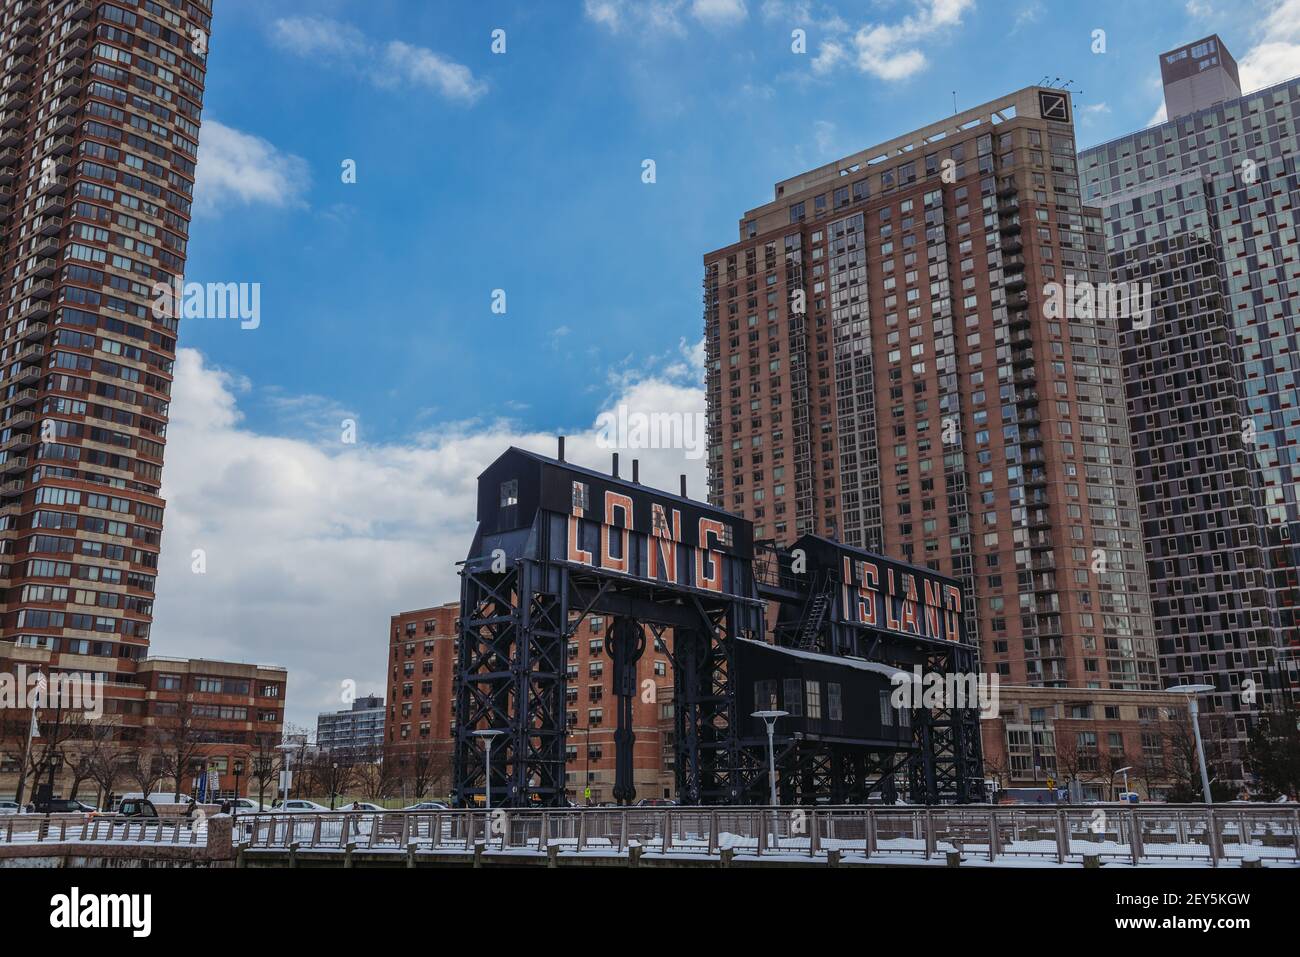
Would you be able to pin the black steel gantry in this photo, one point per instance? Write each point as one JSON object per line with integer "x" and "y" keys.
{"x": 557, "y": 542}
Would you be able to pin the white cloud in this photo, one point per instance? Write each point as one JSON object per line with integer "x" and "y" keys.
{"x": 237, "y": 168}
{"x": 655, "y": 18}
{"x": 312, "y": 544}
{"x": 824, "y": 136}
{"x": 719, "y": 12}
{"x": 1267, "y": 64}
{"x": 392, "y": 65}
{"x": 890, "y": 51}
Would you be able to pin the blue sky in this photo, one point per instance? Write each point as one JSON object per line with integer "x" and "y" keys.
{"x": 522, "y": 172}
{"x": 376, "y": 296}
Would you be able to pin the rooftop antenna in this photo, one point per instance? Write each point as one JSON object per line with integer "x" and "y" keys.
{"x": 636, "y": 471}
{"x": 616, "y": 465}
{"x": 561, "y": 450}
{"x": 954, "y": 103}
{"x": 684, "y": 495}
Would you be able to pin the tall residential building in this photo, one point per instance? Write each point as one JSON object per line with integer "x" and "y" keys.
{"x": 99, "y": 128}
{"x": 356, "y": 734}
{"x": 885, "y": 367}
{"x": 1204, "y": 209}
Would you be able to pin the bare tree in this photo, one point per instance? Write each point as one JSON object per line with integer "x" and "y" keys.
{"x": 266, "y": 761}
{"x": 179, "y": 744}
{"x": 145, "y": 764}
{"x": 104, "y": 756}
{"x": 1109, "y": 765}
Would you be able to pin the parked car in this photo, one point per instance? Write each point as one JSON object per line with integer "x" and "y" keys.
{"x": 64, "y": 806}
{"x": 299, "y": 805}
{"x": 361, "y": 806}
{"x": 137, "y": 810}
{"x": 10, "y": 807}
{"x": 656, "y": 802}
{"x": 427, "y": 806}
{"x": 248, "y": 806}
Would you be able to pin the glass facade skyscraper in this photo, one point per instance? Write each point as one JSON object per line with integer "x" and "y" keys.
{"x": 1204, "y": 208}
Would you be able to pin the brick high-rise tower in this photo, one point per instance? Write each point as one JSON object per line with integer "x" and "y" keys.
{"x": 884, "y": 368}
{"x": 99, "y": 128}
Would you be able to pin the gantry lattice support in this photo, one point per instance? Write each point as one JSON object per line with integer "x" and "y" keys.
{"x": 948, "y": 768}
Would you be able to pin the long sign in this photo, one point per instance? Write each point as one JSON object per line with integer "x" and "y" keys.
{"x": 632, "y": 531}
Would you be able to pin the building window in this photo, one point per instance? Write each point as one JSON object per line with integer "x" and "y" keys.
{"x": 793, "y": 697}
{"x": 834, "y": 703}
{"x": 814, "y": 699}
{"x": 510, "y": 493}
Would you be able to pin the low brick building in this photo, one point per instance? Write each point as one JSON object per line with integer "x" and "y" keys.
{"x": 195, "y": 715}
{"x": 1056, "y": 735}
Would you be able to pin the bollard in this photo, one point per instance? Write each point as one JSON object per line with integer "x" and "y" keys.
{"x": 1091, "y": 861}
{"x": 724, "y": 859}
{"x": 953, "y": 858}
{"x": 478, "y": 853}
{"x": 634, "y": 855}
{"x": 410, "y": 853}
{"x": 552, "y": 855}
{"x": 1252, "y": 862}
{"x": 347, "y": 853}
{"x": 833, "y": 857}
{"x": 293, "y": 853}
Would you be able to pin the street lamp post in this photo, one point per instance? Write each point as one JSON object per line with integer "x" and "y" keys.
{"x": 488, "y": 736}
{"x": 1125, "y": 771}
{"x": 1192, "y": 692}
{"x": 234, "y": 805}
{"x": 586, "y": 778}
{"x": 770, "y": 719}
{"x": 334, "y": 784}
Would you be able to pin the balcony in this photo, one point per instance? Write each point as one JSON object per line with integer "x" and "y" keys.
{"x": 43, "y": 266}
{"x": 17, "y": 77}
{"x": 16, "y": 443}
{"x": 24, "y": 397}
{"x": 13, "y": 464}
{"x": 40, "y": 290}
{"x": 47, "y": 246}
{"x": 52, "y": 183}
{"x": 10, "y": 137}
{"x": 70, "y": 66}
{"x": 11, "y": 488}
{"x": 22, "y": 420}
{"x": 11, "y": 117}
{"x": 50, "y": 225}
{"x": 60, "y": 145}
{"x": 65, "y": 124}
{"x": 36, "y": 309}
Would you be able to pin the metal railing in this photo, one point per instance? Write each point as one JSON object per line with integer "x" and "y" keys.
{"x": 1187, "y": 834}
{"x": 103, "y": 829}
